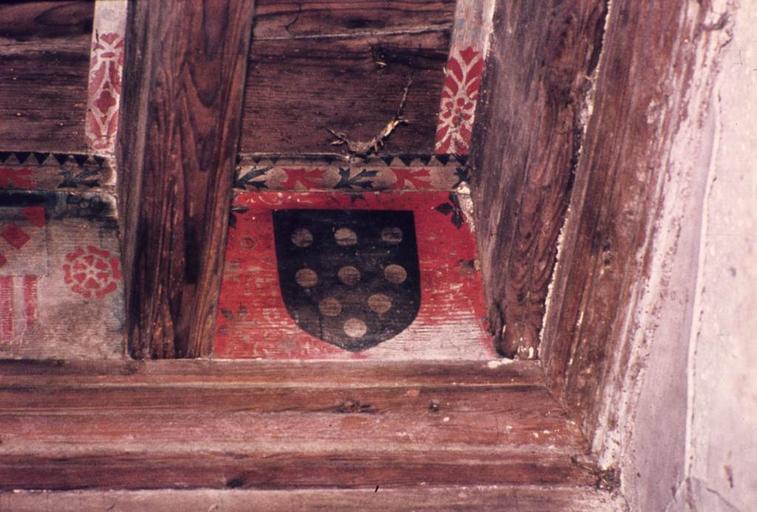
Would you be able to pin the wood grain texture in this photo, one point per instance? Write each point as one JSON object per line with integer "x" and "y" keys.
{"x": 643, "y": 81}
{"x": 182, "y": 425}
{"x": 44, "y": 60}
{"x": 371, "y": 499}
{"x": 313, "y": 374}
{"x": 335, "y": 65}
{"x": 522, "y": 161}
{"x": 183, "y": 86}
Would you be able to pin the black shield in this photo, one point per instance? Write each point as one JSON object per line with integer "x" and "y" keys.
{"x": 348, "y": 277}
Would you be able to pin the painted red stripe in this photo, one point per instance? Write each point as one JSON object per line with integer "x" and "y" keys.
{"x": 6, "y": 308}
{"x": 30, "y": 300}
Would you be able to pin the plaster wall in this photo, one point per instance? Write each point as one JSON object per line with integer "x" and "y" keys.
{"x": 690, "y": 442}
{"x": 722, "y": 430}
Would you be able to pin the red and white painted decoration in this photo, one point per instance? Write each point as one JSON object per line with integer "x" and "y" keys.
{"x": 105, "y": 74}
{"x": 253, "y": 321}
{"x": 462, "y": 81}
{"x": 91, "y": 272}
{"x": 18, "y": 178}
{"x": 462, "y": 77}
{"x": 60, "y": 286}
{"x": 23, "y": 259}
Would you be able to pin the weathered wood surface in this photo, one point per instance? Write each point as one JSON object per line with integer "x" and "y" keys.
{"x": 183, "y": 86}
{"x": 313, "y": 173}
{"x": 337, "y": 65}
{"x": 313, "y": 374}
{"x": 522, "y": 162}
{"x": 371, "y": 499}
{"x": 178, "y": 425}
{"x": 643, "y": 80}
{"x": 44, "y": 58}
{"x": 230, "y": 469}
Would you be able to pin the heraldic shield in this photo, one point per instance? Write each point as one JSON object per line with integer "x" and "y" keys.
{"x": 348, "y": 277}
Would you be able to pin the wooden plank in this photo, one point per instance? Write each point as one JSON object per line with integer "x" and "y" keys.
{"x": 44, "y": 56}
{"x": 288, "y": 19}
{"x": 271, "y": 374}
{"x": 370, "y": 499}
{"x": 544, "y": 431}
{"x": 614, "y": 206}
{"x": 203, "y": 424}
{"x": 336, "y": 65}
{"x": 49, "y": 418}
{"x": 183, "y": 86}
{"x": 529, "y": 132}
{"x": 200, "y": 469}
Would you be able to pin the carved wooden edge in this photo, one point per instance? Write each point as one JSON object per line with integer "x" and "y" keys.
{"x": 650, "y": 56}
{"x": 339, "y": 173}
{"x": 184, "y": 78}
{"x": 276, "y": 374}
{"x": 369, "y": 499}
{"x": 165, "y": 424}
{"x": 527, "y": 140}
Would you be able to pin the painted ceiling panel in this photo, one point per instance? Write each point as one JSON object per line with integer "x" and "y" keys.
{"x": 44, "y": 61}
{"x": 340, "y": 66}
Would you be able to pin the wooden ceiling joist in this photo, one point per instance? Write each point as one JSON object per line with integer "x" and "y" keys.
{"x": 524, "y": 150}
{"x": 182, "y": 105}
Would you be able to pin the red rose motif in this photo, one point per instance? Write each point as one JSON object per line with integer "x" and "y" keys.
{"x": 91, "y": 272}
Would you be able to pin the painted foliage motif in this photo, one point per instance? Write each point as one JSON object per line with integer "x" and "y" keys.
{"x": 253, "y": 320}
{"x": 462, "y": 81}
{"x": 104, "y": 90}
{"x": 399, "y": 172}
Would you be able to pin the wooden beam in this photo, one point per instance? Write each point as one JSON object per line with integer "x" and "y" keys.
{"x": 525, "y": 144}
{"x": 642, "y": 92}
{"x": 180, "y": 123}
{"x": 369, "y": 499}
{"x": 211, "y": 424}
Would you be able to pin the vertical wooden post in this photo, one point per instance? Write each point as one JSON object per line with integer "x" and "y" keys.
{"x": 182, "y": 105}
{"x": 525, "y": 146}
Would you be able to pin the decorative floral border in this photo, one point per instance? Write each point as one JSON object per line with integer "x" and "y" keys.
{"x": 104, "y": 92}
{"x": 307, "y": 174}
{"x": 462, "y": 82}
{"x": 27, "y": 170}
